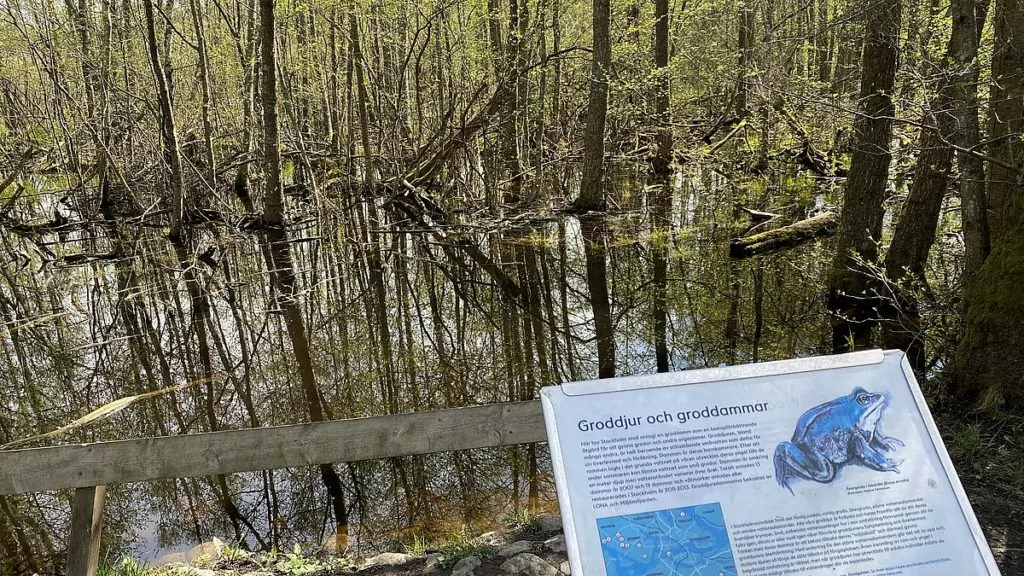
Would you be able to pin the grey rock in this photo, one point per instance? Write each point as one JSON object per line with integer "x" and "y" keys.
{"x": 493, "y": 539}
{"x": 515, "y": 548}
{"x": 466, "y": 566}
{"x": 555, "y": 543}
{"x": 388, "y": 559}
{"x": 433, "y": 563}
{"x": 564, "y": 568}
{"x": 549, "y": 523}
{"x": 527, "y": 564}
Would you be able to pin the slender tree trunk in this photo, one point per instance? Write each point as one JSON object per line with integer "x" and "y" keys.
{"x": 915, "y": 232}
{"x": 661, "y": 184}
{"x": 168, "y": 133}
{"x": 973, "y": 204}
{"x": 746, "y": 50}
{"x": 282, "y": 269}
{"x": 851, "y": 298}
{"x": 821, "y": 44}
{"x": 369, "y": 168}
{"x": 198, "y": 26}
{"x": 591, "y": 196}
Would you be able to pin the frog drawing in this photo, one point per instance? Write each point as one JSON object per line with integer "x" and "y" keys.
{"x": 843, "y": 431}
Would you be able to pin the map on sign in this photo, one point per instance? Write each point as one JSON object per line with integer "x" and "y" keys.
{"x": 689, "y": 541}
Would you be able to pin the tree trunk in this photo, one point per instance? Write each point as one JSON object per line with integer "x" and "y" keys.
{"x": 210, "y": 173}
{"x": 989, "y": 369}
{"x": 746, "y": 50}
{"x": 661, "y": 185}
{"x": 851, "y": 300}
{"x": 915, "y": 232}
{"x": 591, "y": 196}
{"x": 168, "y": 133}
{"x": 1006, "y": 114}
{"x": 282, "y": 269}
{"x": 785, "y": 237}
{"x": 967, "y": 137}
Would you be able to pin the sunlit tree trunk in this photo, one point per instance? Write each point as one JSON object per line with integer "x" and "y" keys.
{"x": 591, "y": 196}
{"x": 915, "y": 232}
{"x": 851, "y": 298}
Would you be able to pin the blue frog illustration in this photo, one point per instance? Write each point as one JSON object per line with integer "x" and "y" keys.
{"x": 839, "y": 432}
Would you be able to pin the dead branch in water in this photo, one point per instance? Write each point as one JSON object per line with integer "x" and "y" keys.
{"x": 785, "y": 237}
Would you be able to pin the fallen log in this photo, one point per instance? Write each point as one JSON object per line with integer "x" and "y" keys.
{"x": 785, "y": 237}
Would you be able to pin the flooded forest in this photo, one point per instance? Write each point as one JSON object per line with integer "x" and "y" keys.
{"x": 226, "y": 214}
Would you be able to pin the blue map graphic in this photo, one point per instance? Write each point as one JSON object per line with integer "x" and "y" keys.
{"x": 690, "y": 541}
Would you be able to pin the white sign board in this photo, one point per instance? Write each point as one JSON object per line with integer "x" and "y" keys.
{"x": 816, "y": 466}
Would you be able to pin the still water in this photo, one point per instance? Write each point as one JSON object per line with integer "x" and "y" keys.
{"x": 401, "y": 316}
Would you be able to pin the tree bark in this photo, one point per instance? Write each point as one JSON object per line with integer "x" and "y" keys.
{"x": 967, "y": 137}
{"x": 989, "y": 369}
{"x": 168, "y": 133}
{"x": 1006, "y": 114}
{"x": 914, "y": 234}
{"x": 661, "y": 186}
{"x": 851, "y": 300}
{"x": 746, "y": 50}
{"x": 591, "y": 196}
{"x": 282, "y": 269}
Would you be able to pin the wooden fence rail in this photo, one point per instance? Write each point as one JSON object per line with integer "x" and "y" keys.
{"x": 89, "y": 468}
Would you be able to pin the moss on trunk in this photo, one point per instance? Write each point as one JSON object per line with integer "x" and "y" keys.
{"x": 990, "y": 360}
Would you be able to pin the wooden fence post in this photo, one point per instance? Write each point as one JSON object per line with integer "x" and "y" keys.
{"x": 86, "y": 524}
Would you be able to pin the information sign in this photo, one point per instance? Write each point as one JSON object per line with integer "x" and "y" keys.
{"x": 815, "y": 466}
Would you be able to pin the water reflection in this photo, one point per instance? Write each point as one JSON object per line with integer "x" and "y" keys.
{"x": 402, "y": 315}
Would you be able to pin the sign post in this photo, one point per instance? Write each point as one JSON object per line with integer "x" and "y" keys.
{"x": 816, "y": 466}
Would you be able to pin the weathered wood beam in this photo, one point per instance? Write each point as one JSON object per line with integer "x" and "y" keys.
{"x": 785, "y": 237}
{"x": 86, "y": 525}
{"x": 209, "y": 454}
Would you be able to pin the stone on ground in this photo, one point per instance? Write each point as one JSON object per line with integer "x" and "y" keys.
{"x": 549, "y": 523}
{"x": 527, "y": 564}
{"x": 389, "y": 559}
{"x": 433, "y": 563}
{"x": 555, "y": 543}
{"x": 466, "y": 566}
{"x": 564, "y": 568}
{"x": 492, "y": 539}
{"x": 515, "y": 548}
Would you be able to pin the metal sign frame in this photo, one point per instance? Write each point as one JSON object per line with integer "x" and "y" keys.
{"x": 734, "y": 373}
